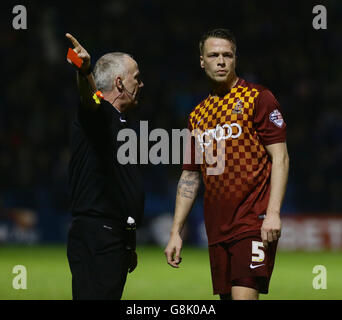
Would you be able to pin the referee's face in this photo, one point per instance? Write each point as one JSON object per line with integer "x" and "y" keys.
{"x": 132, "y": 82}
{"x": 218, "y": 60}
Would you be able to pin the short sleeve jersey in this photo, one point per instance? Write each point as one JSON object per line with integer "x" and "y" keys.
{"x": 230, "y": 134}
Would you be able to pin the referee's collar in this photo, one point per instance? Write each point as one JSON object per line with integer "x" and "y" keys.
{"x": 121, "y": 115}
{"x": 117, "y": 113}
{"x": 117, "y": 110}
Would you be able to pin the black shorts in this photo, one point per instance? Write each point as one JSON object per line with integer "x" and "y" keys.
{"x": 98, "y": 258}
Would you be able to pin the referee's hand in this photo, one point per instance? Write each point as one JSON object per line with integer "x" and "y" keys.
{"x": 81, "y": 52}
{"x": 133, "y": 262}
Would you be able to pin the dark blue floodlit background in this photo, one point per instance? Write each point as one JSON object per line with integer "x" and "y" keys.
{"x": 277, "y": 47}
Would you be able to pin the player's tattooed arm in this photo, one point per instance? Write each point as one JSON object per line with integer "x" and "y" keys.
{"x": 188, "y": 184}
{"x": 187, "y": 190}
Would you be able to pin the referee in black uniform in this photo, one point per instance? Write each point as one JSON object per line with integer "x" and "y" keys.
{"x": 107, "y": 198}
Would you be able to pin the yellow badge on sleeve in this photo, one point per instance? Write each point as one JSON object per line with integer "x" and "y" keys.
{"x": 97, "y": 96}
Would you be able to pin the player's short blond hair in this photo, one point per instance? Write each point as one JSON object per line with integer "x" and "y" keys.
{"x": 217, "y": 33}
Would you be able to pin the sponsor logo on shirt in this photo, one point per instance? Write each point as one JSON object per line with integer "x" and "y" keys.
{"x": 219, "y": 133}
{"x": 277, "y": 118}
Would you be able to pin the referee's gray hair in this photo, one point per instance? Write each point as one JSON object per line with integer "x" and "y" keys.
{"x": 107, "y": 68}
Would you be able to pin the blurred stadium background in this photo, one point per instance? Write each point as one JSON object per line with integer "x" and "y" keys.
{"x": 277, "y": 47}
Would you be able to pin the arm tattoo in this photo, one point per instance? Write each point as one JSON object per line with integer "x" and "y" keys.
{"x": 188, "y": 185}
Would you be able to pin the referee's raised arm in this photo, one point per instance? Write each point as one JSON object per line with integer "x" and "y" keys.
{"x": 85, "y": 80}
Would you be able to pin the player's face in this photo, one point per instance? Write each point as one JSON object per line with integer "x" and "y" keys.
{"x": 132, "y": 82}
{"x": 218, "y": 60}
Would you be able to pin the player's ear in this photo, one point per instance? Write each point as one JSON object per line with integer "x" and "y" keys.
{"x": 235, "y": 56}
{"x": 201, "y": 62}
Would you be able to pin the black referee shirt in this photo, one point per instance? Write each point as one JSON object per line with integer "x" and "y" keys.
{"x": 99, "y": 185}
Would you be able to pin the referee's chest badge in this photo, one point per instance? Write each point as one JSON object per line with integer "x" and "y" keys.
{"x": 238, "y": 108}
{"x": 277, "y": 118}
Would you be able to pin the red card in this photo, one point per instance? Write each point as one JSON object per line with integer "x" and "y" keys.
{"x": 73, "y": 57}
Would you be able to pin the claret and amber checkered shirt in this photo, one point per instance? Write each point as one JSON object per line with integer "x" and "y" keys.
{"x": 230, "y": 134}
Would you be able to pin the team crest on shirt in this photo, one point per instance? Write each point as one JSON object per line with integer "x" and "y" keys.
{"x": 277, "y": 118}
{"x": 238, "y": 108}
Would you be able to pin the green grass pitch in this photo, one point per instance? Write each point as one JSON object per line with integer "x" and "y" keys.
{"x": 48, "y": 275}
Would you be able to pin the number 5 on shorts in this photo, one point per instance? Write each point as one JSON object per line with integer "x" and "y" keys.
{"x": 258, "y": 255}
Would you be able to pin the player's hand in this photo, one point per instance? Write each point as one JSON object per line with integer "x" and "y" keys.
{"x": 270, "y": 229}
{"x": 133, "y": 262}
{"x": 173, "y": 250}
{"x": 81, "y": 52}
